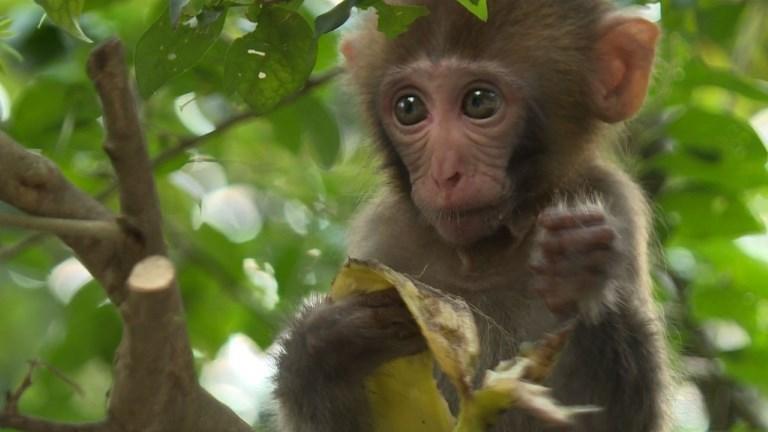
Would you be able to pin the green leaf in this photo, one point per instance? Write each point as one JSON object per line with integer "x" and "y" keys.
{"x": 322, "y": 131}
{"x": 174, "y": 9}
{"x": 253, "y": 11}
{"x": 308, "y": 120}
{"x": 5, "y": 48}
{"x": 286, "y": 127}
{"x": 334, "y": 18}
{"x": 65, "y": 13}
{"x": 272, "y": 62}
{"x": 720, "y": 21}
{"x": 394, "y": 20}
{"x": 479, "y": 8}
{"x": 718, "y": 131}
{"x": 732, "y": 286}
{"x": 715, "y": 146}
{"x": 686, "y": 205}
{"x": 729, "y": 284}
{"x": 164, "y": 52}
{"x": 46, "y": 105}
{"x": 697, "y": 73}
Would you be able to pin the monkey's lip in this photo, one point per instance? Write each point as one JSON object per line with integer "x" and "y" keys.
{"x": 467, "y": 226}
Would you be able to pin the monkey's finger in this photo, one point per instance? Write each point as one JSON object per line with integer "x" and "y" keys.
{"x": 555, "y": 219}
{"x": 405, "y": 346}
{"x": 594, "y": 262}
{"x": 558, "y": 299}
{"x": 578, "y": 240}
{"x": 391, "y": 334}
{"x": 545, "y": 285}
{"x": 383, "y": 298}
{"x": 391, "y": 314}
{"x": 561, "y": 294}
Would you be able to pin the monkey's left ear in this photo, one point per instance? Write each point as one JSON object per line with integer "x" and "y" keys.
{"x": 624, "y": 56}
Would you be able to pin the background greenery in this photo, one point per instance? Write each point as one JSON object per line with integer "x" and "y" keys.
{"x": 256, "y": 210}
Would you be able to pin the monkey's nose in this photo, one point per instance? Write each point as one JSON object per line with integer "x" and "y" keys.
{"x": 447, "y": 183}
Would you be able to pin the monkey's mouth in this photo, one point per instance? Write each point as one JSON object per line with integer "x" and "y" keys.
{"x": 467, "y": 226}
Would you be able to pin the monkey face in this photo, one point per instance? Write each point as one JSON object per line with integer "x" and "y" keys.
{"x": 453, "y": 124}
{"x": 478, "y": 121}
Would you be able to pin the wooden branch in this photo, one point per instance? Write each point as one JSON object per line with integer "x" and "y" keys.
{"x": 155, "y": 373}
{"x": 10, "y": 417}
{"x": 12, "y": 398}
{"x": 154, "y": 369}
{"x": 104, "y": 230}
{"x": 32, "y": 424}
{"x": 126, "y": 146}
{"x": 13, "y": 250}
{"x": 155, "y": 387}
{"x": 8, "y": 252}
{"x": 33, "y": 184}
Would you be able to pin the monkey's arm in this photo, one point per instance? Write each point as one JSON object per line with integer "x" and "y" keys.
{"x": 589, "y": 252}
{"x": 615, "y": 358}
{"x": 619, "y": 365}
{"x": 310, "y": 401}
{"x": 330, "y": 350}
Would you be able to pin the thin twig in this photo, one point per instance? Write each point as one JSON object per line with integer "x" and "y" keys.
{"x": 237, "y": 119}
{"x": 58, "y": 373}
{"x": 75, "y": 227}
{"x": 9, "y": 252}
{"x": 32, "y": 424}
{"x": 12, "y": 398}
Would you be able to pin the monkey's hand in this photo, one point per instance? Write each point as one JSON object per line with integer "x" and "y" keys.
{"x": 349, "y": 338}
{"x": 573, "y": 256}
{"x": 331, "y": 348}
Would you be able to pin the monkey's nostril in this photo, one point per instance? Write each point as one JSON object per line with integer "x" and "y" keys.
{"x": 447, "y": 183}
{"x": 453, "y": 180}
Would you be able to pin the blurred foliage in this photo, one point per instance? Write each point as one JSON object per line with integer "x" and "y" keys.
{"x": 256, "y": 214}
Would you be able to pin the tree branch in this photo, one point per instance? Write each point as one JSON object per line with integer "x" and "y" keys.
{"x": 9, "y": 252}
{"x": 192, "y": 142}
{"x": 154, "y": 367}
{"x": 155, "y": 387}
{"x": 10, "y": 417}
{"x": 34, "y": 185}
{"x": 125, "y": 144}
{"x": 85, "y": 228}
{"x": 32, "y": 424}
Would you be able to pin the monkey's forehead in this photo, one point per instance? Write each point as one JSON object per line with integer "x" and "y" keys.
{"x": 516, "y": 29}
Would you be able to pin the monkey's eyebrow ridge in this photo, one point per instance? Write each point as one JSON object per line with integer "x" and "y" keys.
{"x": 490, "y": 70}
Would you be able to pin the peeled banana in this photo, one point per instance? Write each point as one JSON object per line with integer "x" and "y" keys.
{"x": 403, "y": 394}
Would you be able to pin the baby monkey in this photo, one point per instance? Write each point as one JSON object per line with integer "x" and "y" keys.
{"x": 491, "y": 135}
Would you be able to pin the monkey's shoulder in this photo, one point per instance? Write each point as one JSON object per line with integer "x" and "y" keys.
{"x": 614, "y": 186}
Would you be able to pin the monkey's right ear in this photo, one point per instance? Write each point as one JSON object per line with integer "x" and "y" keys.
{"x": 624, "y": 59}
{"x": 348, "y": 49}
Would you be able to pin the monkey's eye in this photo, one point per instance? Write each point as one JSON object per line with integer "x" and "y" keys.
{"x": 481, "y": 103}
{"x": 410, "y": 109}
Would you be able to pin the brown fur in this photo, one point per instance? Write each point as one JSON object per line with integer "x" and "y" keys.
{"x": 616, "y": 357}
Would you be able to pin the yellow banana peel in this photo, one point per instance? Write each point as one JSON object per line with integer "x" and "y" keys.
{"x": 403, "y": 394}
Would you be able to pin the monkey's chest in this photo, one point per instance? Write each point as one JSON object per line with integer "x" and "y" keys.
{"x": 507, "y": 312}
